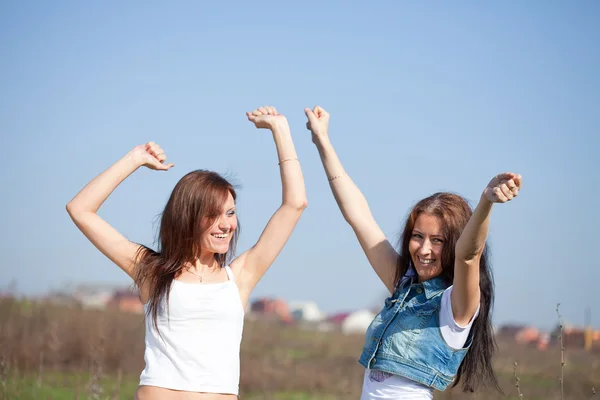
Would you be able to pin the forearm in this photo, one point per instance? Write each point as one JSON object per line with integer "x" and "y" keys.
{"x": 471, "y": 243}
{"x": 348, "y": 196}
{"x": 292, "y": 180}
{"x": 91, "y": 197}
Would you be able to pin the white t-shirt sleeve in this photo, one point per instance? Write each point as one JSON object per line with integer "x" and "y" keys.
{"x": 454, "y": 334}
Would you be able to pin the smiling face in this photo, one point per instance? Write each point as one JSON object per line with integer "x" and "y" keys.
{"x": 217, "y": 236}
{"x": 426, "y": 245}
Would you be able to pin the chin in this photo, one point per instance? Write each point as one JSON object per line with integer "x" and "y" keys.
{"x": 430, "y": 275}
{"x": 221, "y": 250}
{"x": 217, "y": 248}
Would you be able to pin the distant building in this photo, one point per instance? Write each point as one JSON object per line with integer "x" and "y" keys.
{"x": 509, "y": 331}
{"x": 338, "y": 318}
{"x": 577, "y": 337}
{"x": 126, "y": 301}
{"x": 355, "y": 322}
{"x": 572, "y": 337}
{"x": 543, "y": 341}
{"x": 94, "y": 295}
{"x": 271, "y": 308}
{"x": 306, "y": 311}
{"x": 527, "y": 335}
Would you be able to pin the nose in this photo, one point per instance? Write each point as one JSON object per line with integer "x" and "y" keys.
{"x": 224, "y": 224}
{"x": 425, "y": 248}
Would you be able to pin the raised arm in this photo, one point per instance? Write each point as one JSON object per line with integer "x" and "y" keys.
{"x": 86, "y": 203}
{"x": 352, "y": 203}
{"x": 253, "y": 264}
{"x": 469, "y": 247}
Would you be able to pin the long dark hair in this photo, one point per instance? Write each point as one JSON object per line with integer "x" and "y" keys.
{"x": 195, "y": 203}
{"x": 454, "y": 213}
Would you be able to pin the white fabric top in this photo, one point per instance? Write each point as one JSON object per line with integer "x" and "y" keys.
{"x": 382, "y": 385}
{"x": 198, "y": 349}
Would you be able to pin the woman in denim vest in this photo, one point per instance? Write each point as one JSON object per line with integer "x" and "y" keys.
{"x": 435, "y": 329}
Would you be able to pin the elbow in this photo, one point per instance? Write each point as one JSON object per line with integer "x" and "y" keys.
{"x": 301, "y": 204}
{"x": 73, "y": 210}
{"x": 70, "y": 208}
{"x": 356, "y": 213}
{"x": 356, "y": 219}
{"x": 298, "y": 204}
{"x": 350, "y": 219}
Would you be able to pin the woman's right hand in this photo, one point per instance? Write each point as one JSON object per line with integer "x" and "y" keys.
{"x": 152, "y": 156}
{"x": 318, "y": 123}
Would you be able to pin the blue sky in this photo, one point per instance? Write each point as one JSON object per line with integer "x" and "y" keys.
{"x": 423, "y": 98}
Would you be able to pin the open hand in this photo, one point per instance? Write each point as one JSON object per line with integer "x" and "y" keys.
{"x": 503, "y": 187}
{"x": 266, "y": 117}
{"x": 152, "y": 156}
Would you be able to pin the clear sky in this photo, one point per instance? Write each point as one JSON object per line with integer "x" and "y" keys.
{"x": 423, "y": 98}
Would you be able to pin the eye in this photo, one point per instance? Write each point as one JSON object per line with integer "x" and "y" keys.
{"x": 230, "y": 213}
{"x": 437, "y": 240}
{"x": 417, "y": 236}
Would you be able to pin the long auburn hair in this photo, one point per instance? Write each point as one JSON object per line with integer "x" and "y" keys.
{"x": 454, "y": 213}
{"x": 195, "y": 203}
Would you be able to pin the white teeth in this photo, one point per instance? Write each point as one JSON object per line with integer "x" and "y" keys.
{"x": 220, "y": 235}
{"x": 423, "y": 261}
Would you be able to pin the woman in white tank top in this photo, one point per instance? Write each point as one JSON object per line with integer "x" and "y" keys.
{"x": 193, "y": 293}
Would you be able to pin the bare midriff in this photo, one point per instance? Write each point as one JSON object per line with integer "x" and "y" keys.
{"x": 157, "y": 393}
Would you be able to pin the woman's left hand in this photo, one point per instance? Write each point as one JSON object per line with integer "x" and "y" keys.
{"x": 503, "y": 187}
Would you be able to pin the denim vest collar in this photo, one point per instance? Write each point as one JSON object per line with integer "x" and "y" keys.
{"x": 432, "y": 287}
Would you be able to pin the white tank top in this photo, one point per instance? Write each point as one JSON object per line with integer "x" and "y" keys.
{"x": 198, "y": 349}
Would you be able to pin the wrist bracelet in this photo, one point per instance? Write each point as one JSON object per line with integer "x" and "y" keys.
{"x": 336, "y": 176}
{"x": 287, "y": 159}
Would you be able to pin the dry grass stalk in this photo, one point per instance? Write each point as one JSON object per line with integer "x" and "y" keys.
{"x": 3, "y": 374}
{"x": 517, "y": 385}
{"x": 562, "y": 355}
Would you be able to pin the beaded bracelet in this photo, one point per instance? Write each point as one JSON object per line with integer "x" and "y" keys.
{"x": 336, "y": 176}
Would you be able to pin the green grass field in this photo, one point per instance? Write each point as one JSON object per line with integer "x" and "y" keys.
{"x": 76, "y": 386}
{"x": 59, "y": 353}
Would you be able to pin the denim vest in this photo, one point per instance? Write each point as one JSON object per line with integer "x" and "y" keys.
{"x": 405, "y": 337}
